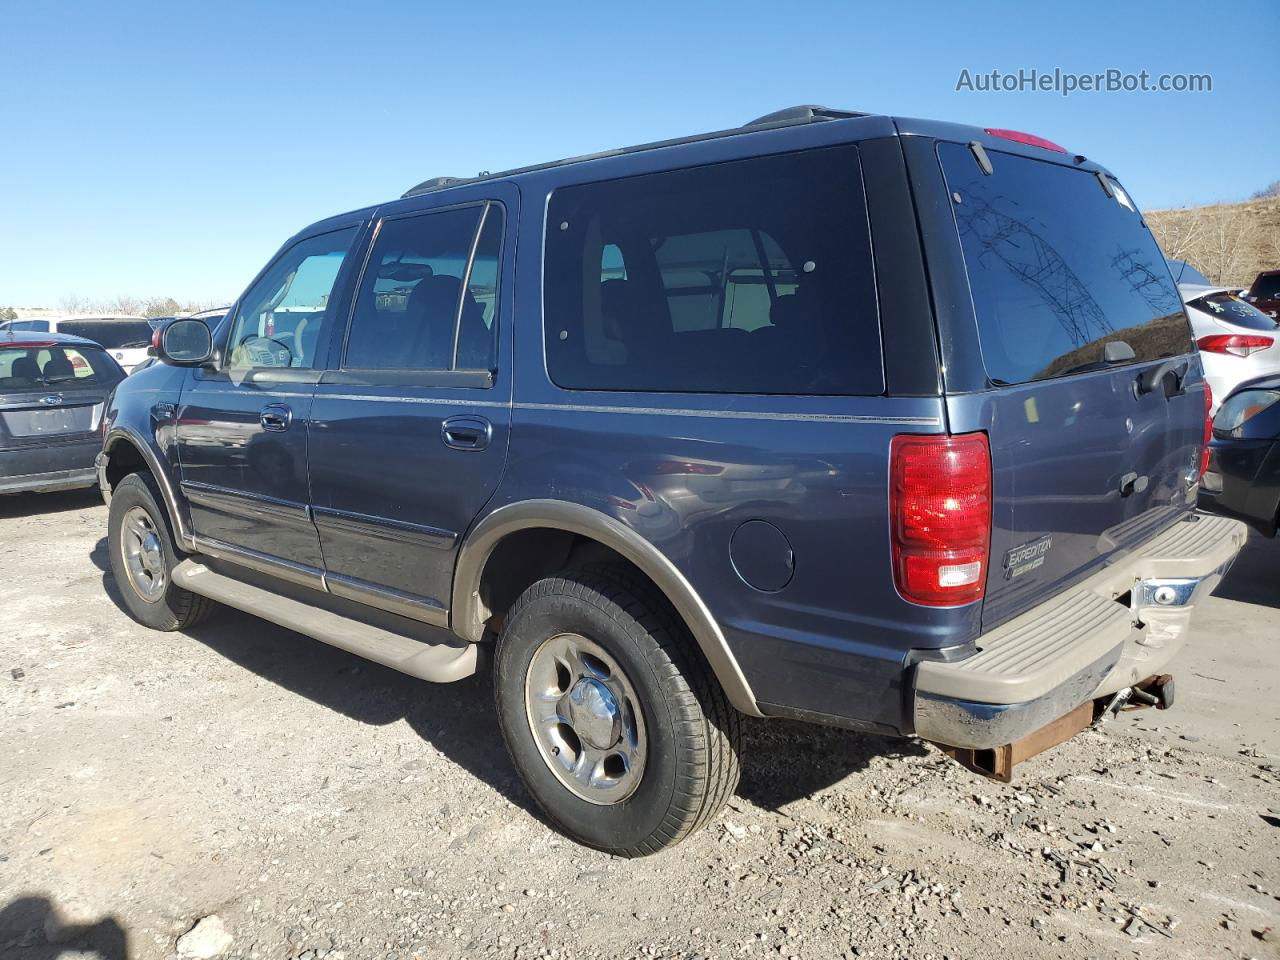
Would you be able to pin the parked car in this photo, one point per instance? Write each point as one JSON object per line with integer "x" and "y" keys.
{"x": 837, "y": 417}
{"x": 127, "y": 338}
{"x": 52, "y": 391}
{"x": 1265, "y": 293}
{"x": 1243, "y": 478}
{"x": 1237, "y": 342}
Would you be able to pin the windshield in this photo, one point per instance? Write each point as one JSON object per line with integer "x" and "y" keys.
{"x": 112, "y": 334}
{"x": 1230, "y": 309}
{"x": 1058, "y": 267}
{"x": 67, "y": 367}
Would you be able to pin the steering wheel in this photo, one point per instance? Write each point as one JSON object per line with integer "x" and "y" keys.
{"x": 282, "y": 357}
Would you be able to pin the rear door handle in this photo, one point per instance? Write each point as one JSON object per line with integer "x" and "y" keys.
{"x": 275, "y": 417}
{"x": 466, "y": 433}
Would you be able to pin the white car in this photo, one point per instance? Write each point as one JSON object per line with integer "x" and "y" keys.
{"x": 1237, "y": 341}
{"x": 126, "y": 338}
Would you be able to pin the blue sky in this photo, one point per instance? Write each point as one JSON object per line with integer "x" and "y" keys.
{"x": 168, "y": 149}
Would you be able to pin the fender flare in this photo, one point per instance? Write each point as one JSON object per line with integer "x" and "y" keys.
{"x": 468, "y": 612}
{"x": 151, "y": 457}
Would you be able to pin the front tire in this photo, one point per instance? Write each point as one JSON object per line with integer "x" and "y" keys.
{"x": 143, "y": 556}
{"x": 615, "y": 722}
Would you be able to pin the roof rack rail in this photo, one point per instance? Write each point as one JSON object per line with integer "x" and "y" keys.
{"x": 807, "y": 113}
{"x": 804, "y": 113}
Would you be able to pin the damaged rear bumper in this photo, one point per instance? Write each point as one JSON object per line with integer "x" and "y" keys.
{"x": 1083, "y": 644}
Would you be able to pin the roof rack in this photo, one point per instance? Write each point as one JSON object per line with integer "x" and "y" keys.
{"x": 807, "y": 113}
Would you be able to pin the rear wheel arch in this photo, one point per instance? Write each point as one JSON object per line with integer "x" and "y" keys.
{"x": 519, "y": 543}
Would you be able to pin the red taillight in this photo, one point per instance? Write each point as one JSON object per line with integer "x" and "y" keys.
{"x": 1030, "y": 139}
{"x": 940, "y": 513}
{"x": 1236, "y": 344}
{"x": 1208, "y": 428}
{"x": 155, "y": 337}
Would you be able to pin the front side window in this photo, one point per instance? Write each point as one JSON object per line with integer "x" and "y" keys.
{"x": 752, "y": 276}
{"x": 1058, "y": 268}
{"x": 281, "y": 318}
{"x": 425, "y": 302}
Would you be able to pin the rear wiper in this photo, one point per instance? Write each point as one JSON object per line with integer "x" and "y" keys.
{"x": 49, "y": 380}
{"x": 134, "y": 346}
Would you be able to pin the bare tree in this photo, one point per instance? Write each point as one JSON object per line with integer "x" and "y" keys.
{"x": 1179, "y": 232}
{"x": 74, "y": 303}
{"x": 1228, "y": 244}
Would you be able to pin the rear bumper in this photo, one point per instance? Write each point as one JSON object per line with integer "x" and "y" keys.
{"x": 55, "y": 466}
{"x": 1120, "y": 626}
{"x": 48, "y": 482}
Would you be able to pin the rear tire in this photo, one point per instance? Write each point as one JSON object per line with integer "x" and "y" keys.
{"x": 612, "y": 717}
{"x": 143, "y": 556}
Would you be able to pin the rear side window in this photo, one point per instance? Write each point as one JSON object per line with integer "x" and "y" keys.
{"x": 64, "y": 367}
{"x": 753, "y": 276}
{"x": 1058, "y": 268}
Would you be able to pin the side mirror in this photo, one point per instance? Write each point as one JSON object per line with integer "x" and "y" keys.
{"x": 184, "y": 343}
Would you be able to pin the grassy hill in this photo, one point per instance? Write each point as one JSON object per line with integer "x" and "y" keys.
{"x": 1228, "y": 242}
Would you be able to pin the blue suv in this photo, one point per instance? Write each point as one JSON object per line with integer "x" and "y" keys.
{"x": 888, "y": 424}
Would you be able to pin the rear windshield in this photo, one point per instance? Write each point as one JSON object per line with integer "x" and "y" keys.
{"x": 112, "y": 334}
{"x": 1058, "y": 268}
{"x": 1267, "y": 288}
{"x": 1233, "y": 310}
{"x": 64, "y": 367}
{"x": 752, "y": 276}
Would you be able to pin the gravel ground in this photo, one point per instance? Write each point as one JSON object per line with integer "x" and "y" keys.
{"x": 306, "y": 804}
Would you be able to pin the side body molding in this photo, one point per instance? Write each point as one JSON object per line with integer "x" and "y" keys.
{"x": 469, "y": 613}
{"x": 177, "y": 516}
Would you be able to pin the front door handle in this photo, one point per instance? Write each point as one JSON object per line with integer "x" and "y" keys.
{"x": 275, "y": 417}
{"x": 466, "y": 433}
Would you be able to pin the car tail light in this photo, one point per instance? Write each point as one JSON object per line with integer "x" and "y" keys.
{"x": 1208, "y": 429}
{"x": 1030, "y": 139}
{"x": 156, "y": 334}
{"x": 1236, "y": 344}
{"x": 940, "y": 513}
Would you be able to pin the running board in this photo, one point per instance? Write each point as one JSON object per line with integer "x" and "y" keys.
{"x": 436, "y": 662}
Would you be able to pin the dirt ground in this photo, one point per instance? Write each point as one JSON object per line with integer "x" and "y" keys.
{"x": 320, "y": 806}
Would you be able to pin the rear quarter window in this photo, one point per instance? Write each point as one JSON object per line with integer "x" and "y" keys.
{"x": 751, "y": 276}
{"x": 1057, "y": 268}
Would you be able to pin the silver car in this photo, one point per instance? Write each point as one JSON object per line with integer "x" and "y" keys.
{"x": 1237, "y": 341}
